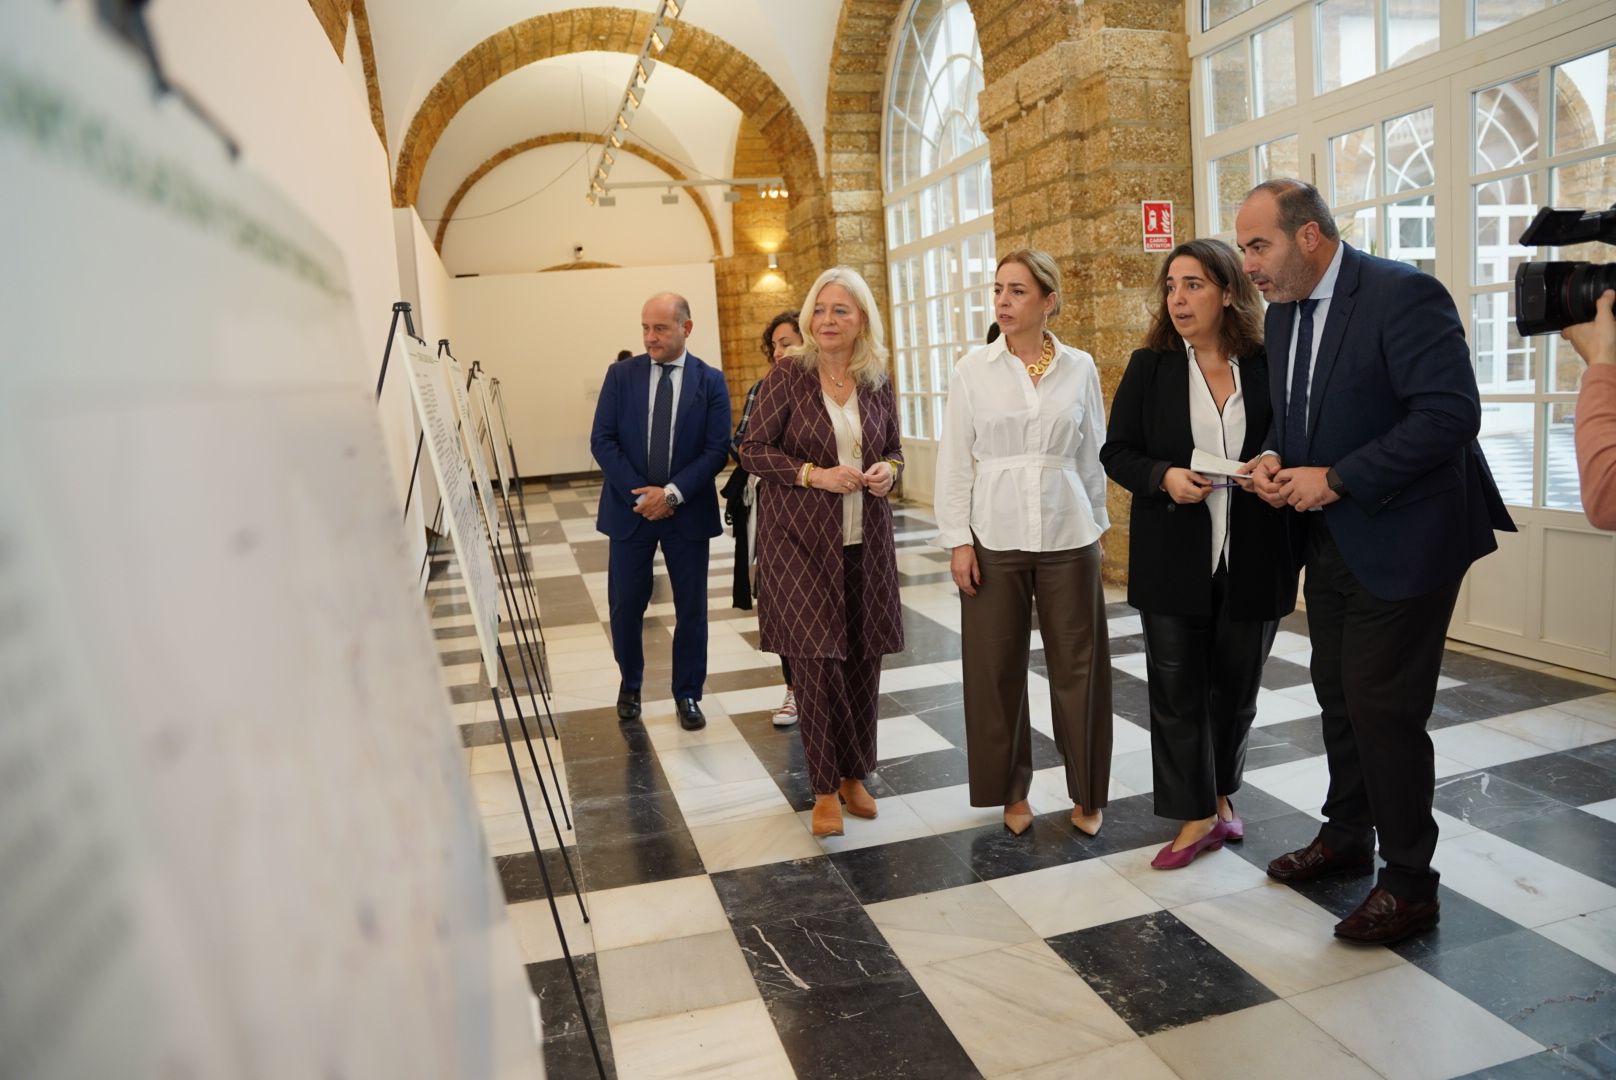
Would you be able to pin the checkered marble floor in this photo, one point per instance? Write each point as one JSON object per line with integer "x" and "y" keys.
{"x": 725, "y": 940}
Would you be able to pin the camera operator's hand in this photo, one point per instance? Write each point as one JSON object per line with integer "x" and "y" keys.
{"x": 1595, "y": 341}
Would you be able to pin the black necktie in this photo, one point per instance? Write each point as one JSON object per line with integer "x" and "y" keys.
{"x": 661, "y": 429}
{"x": 1295, "y": 448}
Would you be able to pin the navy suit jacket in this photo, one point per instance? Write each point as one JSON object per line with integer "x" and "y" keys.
{"x": 620, "y": 439}
{"x": 1394, "y": 408}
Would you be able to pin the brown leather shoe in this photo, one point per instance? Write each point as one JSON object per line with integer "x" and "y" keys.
{"x": 1383, "y": 918}
{"x": 827, "y": 819}
{"x": 860, "y": 803}
{"x": 1317, "y": 861}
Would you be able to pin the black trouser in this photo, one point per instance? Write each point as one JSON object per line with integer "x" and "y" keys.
{"x": 1204, "y": 672}
{"x": 1375, "y": 666}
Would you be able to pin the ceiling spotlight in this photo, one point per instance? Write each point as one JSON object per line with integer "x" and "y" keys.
{"x": 617, "y": 140}
{"x": 606, "y": 200}
{"x": 629, "y": 93}
{"x": 595, "y": 186}
{"x": 600, "y": 171}
{"x": 670, "y": 8}
{"x": 774, "y": 262}
{"x": 622, "y": 121}
{"x": 732, "y": 195}
{"x": 642, "y": 68}
{"x": 658, "y": 41}
{"x": 670, "y": 199}
{"x": 607, "y": 159}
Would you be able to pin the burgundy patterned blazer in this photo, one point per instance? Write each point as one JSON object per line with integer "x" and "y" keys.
{"x": 799, "y": 537}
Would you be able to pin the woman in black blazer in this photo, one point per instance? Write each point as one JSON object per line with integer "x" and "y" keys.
{"x": 1209, "y": 567}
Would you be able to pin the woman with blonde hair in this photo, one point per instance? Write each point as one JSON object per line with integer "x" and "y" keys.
{"x": 823, "y": 440}
{"x": 1021, "y": 502}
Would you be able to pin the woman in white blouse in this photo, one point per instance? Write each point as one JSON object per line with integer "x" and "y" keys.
{"x": 1021, "y": 502}
{"x": 1208, "y": 564}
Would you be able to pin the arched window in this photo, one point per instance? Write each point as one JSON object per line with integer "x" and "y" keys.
{"x": 939, "y": 206}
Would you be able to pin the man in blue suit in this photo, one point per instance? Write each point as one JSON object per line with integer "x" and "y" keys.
{"x": 1373, "y": 443}
{"x": 661, "y": 435}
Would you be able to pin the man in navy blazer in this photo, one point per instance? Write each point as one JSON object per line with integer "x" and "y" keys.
{"x": 661, "y": 435}
{"x": 1375, "y": 417}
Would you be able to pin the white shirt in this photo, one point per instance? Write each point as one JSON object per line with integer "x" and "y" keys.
{"x": 1322, "y": 293}
{"x": 1018, "y": 464}
{"x": 1219, "y": 433}
{"x": 844, "y": 420}
{"x": 678, "y": 378}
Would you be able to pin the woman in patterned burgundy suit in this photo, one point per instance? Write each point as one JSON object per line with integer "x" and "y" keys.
{"x": 824, "y": 441}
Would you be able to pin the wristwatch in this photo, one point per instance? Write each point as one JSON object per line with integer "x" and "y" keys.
{"x": 1333, "y": 478}
{"x": 671, "y": 494}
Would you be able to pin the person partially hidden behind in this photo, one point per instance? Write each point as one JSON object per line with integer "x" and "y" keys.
{"x": 1373, "y": 444}
{"x": 1595, "y": 342}
{"x": 661, "y": 435}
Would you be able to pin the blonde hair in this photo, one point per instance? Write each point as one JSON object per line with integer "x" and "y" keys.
{"x": 869, "y": 363}
{"x": 1041, "y": 265}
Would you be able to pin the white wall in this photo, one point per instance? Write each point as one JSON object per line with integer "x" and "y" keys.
{"x": 550, "y": 337}
{"x": 542, "y": 213}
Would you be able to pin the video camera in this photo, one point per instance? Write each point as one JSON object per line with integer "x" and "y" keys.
{"x": 1550, "y": 296}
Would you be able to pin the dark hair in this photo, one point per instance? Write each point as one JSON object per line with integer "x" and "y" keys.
{"x": 1241, "y": 333}
{"x": 993, "y": 332}
{"x": 774, "y": 324}
{"x": 624, "y": 354}
{"x": 1299, "y": 203}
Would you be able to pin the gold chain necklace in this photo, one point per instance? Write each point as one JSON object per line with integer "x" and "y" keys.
{"x": 1045, "y": 358}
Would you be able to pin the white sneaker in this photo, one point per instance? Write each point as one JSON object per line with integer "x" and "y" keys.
{"x": 786, "y": 714}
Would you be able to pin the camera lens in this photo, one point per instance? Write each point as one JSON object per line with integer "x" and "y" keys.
{"x": 1550, "y": 296}
{"x": 1583, "y": 288}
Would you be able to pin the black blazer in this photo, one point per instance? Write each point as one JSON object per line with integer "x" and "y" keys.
{"x": 1170, "y": 546}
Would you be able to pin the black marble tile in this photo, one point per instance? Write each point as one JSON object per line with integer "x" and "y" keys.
{"x": 480, "y": 733}
{"x": 947, "y": 721}
{"x": 1255, "y": 804}
{"x": 1544, "y": 990}
{"x": 1129, "y": 823}
{"x": 924, "y": 772}
{"x": 446, "y": 633}
{"x": 807, "y": 951}
{"x": 564, "y": 1032}
{"x": 1571, "y": 838}
{"x": 568, "y": 511}
{"x": 521, "y": 880}
{"x": 783, "y": 890}
{"x": 991, "y": 851}
{"x": 799, "y": 792}
{"x": 1127, "y": 644}
{"x": 1260, "y": 757}
{"x": 879, "y": 1029}
{"x": 1157, "y": 973}
{"x": 1045, "y": 754}
{"x": 1594, "y": 1060}
{"x": 916, "y": 701}
{"x": 461, "y": 695}
{"x": 1541, "y": 687}
{"x": 627, "y": 815}
{"x": 1518, "y": 691}
{"x": 622, "y": 775}
{"x": 461, "y": 656}
{"x": 592, "y": 556}
{"x": 563, "y": 593}
{"x": 600, "y": 734}
{"x": 1471, "y": 668}
{"x": 1572, "y": 780}
{"x": 613, "y": 861}
{"x": 1340, "y": 896}
{"x": 905, "y": 868}
{"x": 1464, "y": 923}
{"x": 1306, "y": 734}
{"x": 1268, "y": 839}
{"x": 1130, "y": 697}
{"x": 1280, "y": 674}
{"x": 1602, "y": 754}
{"x": 1487, "y": 802}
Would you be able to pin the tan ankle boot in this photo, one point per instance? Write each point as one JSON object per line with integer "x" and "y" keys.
{"x": 860, "y": 803}
{"x": 827, "y": 820}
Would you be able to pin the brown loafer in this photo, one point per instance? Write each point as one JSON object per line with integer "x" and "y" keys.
{"x": 860, "y": 803}
{"x": 1383, "y": 919}
{"x": 1318, "y": 861}
{"x": 827, "y": 819}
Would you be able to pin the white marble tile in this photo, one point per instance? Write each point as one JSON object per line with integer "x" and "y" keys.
{"x": 676, "y": 975}
{"x": 756, "y": 699}
{"x": 534, "y": 925}
{"x": 1019, "y": 1007}
{"x": 1407, "y": 1025}
{"x": 1302, "y": 783}
{"x": 751, "y": 660}
{"x": 1274, "y": 707}
{"x": 1516, "y": 882}
{"x": 1304, "y": 695}
{"x": 640, "y": 914}
{"x": 715, "y": 763}
{"x": 1128, "y": 737}
{"x": 1448, "y": 826}
{"x": 754, "y": 842}
{"x": 1268, "y": 1040}
{"x": 1592, "y": 936}
{"x": 1059, "y": 899}
{"x": 493, "y": 757}
{"x": 736, "y": 1042}
{"x": 894, "y": 821}
{"x": 914, "y": 677}
{"x": 949, "y": 809}
{"x": 579, "y": 530}
{"x": 1597, "y": 707}
{"x": 737, "y": 801}
{"x": 1289, "y": 644}
{"x": 496, "y": 794}
{"x": 661, "y": 721}
{"x": 506, "y": 834}
{"x": 905, "y": 736}
{"x": 934, "y": 927}
{"x": 1284, "y": 940}
{"x": 1132, "y": 663}
{"x": 1215, "y": 873}
{"x": 1135, "y": 771}
{"x": 1124, "y": 626}
{"x": 1479, "y": 747}
{"x": 1048, "y": 792}
{"x": 1124, "y": 1061}
{"x": 1554, "y": 728}
{"x": 1448, "y": 682}
{"x": 1606, "y": 809}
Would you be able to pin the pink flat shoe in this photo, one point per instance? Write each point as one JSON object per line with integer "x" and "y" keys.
{"x": 1168, "y": 859}
{"x": 1234, "y": 830}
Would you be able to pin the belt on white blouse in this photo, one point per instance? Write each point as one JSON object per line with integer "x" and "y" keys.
{"x": 1026, "y": 461}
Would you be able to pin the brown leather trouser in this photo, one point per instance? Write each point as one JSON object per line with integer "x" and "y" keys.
{"x": 996, "y": 628}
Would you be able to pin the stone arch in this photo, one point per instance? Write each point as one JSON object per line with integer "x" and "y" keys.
{"x": 694, "y": 50}
{"x": 567, "y": 137}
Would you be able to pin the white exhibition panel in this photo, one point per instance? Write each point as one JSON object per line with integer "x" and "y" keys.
{"x": 550, "y": 337}
{"x": 237, "y": 836}
{"x": 470, "y": 447}
{"x": 489, "y": 427}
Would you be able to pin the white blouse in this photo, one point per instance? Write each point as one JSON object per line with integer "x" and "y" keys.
{"x": 1018, "y": 464}
{"x": 844, "y": 420}
{"x": 1219, "y": 433}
